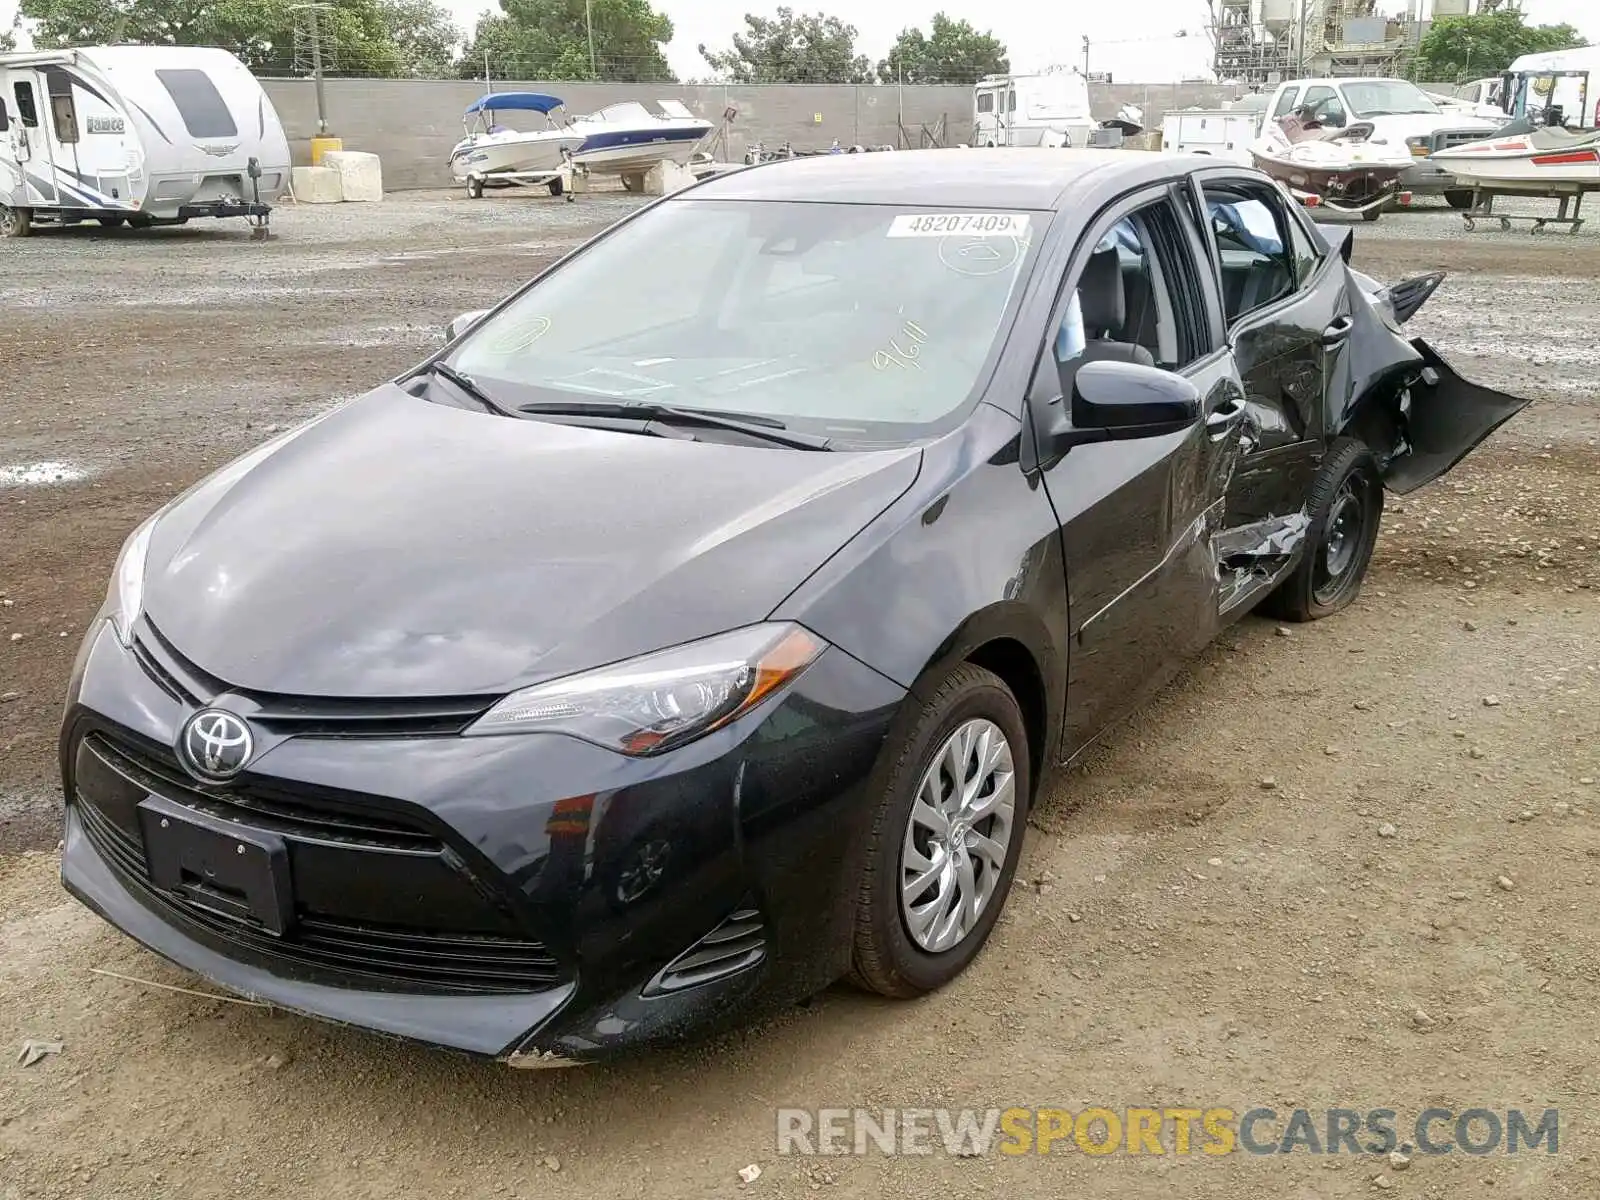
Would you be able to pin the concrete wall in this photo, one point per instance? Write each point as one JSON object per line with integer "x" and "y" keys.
{"x": 412, "y": 123}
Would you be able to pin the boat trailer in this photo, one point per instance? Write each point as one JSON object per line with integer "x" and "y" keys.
{"x": 1568, "y": 195}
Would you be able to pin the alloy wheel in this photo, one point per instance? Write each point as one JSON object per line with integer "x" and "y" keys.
{"x": 958, "y": 836}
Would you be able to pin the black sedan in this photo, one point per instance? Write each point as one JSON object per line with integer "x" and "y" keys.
{"x": 695, "y": 629}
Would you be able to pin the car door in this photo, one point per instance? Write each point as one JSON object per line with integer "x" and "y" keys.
{"x": 1136, "y": 516}
{"x": 1288, "y": 319}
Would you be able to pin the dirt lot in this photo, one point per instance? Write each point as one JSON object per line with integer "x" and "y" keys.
{"x": 1276, "y": 887}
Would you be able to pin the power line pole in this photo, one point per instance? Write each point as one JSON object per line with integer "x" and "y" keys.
{"x": 588, "y": 17}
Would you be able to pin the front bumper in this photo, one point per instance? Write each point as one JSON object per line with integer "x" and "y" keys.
{"x": 521, "y": 897}
{"x": 1428, "y": 179}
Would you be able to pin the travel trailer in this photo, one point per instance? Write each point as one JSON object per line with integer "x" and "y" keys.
{"x": 1032, "y": 110}
{"x": 136, "y": 135}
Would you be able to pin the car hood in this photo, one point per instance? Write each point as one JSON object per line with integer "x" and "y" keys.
{"x": 396, "y": 547}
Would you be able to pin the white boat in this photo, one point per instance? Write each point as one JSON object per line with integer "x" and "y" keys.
{"x": 1344, "y": 169}
{"x": 630, "y": 137}
{"x": 1537, "y": 157}
{"x": 489, "y": 149}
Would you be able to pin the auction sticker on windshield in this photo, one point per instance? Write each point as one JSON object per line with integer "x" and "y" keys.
{"x": 969, "y": 224}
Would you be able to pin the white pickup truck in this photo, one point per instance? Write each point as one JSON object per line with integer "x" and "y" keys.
{"x": 1400, "y": 112}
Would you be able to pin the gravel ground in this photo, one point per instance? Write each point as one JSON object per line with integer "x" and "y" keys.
{"x": 1246, "y": 896}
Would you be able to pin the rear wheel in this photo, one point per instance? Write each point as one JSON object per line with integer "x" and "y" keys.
{"x": 1459, "y": 198}
{"x": 15, "y": 222}
{"x": 1346, "y": 507}
{"x": 945, "y": 839}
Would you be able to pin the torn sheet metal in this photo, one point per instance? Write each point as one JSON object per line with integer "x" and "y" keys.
{"x": 1273, "y": 537}
{"x": 1252, "y": 558}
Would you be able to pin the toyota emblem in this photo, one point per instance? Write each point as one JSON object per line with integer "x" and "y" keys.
{"x": 215, "y": 745}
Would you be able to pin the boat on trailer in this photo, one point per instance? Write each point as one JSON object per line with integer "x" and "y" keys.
{"x": 493, "y": 156}
{"x": 1341, "y": 169}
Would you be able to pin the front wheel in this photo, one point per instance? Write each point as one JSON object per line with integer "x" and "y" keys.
{"x": 945, "y": 839}
{"x": 15, "y": 222}
{"x": 1346, "y": 507}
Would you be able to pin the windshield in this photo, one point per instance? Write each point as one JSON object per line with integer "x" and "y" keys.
{"x": 1386, "y": 97}
{"x": 860, "y": 322}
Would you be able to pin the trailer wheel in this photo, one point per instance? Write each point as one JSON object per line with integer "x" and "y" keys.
{"x": 556, "y": 186}
{"x": 15, "y": 222}
{"x": 112, "y": 222}
{"x": 1459, "y": 198}
{"x": 474, "y": 188}
{"x": 141, "y": 221}
{"x": 633, "y": 183}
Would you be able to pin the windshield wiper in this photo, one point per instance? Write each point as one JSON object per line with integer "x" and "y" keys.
{"x": 768, "y": 429}
{"x": 465, "y": 383}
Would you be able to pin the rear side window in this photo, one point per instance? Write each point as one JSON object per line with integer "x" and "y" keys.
{"x": 986, "y": 102}
{"x": 199, "y": 103}
{"x": 1258, "y": 264}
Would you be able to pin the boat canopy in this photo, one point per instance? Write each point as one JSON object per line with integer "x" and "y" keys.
{"x": 515, "y": 102}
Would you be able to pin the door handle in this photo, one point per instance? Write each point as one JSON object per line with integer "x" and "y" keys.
{"x": 1222, "y": 420}
{"x": 1339, "y": 332}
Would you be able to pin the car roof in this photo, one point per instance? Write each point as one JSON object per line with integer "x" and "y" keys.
{"x": 1003, "y": 178}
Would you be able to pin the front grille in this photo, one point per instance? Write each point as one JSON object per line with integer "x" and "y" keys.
{"x": 305, "y": 716}
{"x": 1446, "y": 138}
{"x": 288, "y": 808}
{"x": 738, "y": 942}
{"x": 389, "y": 958}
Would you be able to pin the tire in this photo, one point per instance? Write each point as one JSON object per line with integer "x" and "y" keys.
{"x": 1347, "y": 488}
{"x": 1459, "y": 198}
{"x": 142, "y": 221}
{"x": 888, "y": 958}
{"x": 556, "y": 186}
{"x": 15, "y": 222}
{"x": 633, "y": 183}
{"x": 112, "y": 222}
{"x": 474, "y": 188}
{"x": 1372, "y": 214}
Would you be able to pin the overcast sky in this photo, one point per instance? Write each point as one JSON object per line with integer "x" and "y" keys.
{"x": 1039, "y": 33}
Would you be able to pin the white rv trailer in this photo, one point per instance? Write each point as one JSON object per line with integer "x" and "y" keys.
{"x": 143, "y": 135}
{"x": 1032, "y": 110}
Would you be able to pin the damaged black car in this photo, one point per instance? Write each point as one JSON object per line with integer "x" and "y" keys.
{"x": 694, "y": 630}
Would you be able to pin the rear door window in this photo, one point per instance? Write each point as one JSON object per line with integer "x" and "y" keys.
{"x": 199, "y": 103}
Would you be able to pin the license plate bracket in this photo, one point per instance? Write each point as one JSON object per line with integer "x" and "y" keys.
{"x": 223, "y": 867}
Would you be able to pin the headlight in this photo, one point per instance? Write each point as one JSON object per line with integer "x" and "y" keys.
{"x": 125, "y": 599}
{"x": 651, "y": 704}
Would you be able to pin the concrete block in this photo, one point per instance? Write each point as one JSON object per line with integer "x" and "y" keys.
{"x": 665, "y": 178}
{"x": 360, "y": 174}
{"x": 316, "y": 185}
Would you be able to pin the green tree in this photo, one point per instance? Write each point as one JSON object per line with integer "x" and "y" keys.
{"x": 792, "y": 49}
{"x": 426, "y": 37}
{"x": 549, "y": 39}
{"x": 954, "y": 52}
{"x": 362, "y": 37}
{"x": 1476, "y": 47}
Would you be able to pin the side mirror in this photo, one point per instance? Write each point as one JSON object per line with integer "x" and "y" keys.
{"x": 463, "y": 323}
{"x": 1117, "y": 401}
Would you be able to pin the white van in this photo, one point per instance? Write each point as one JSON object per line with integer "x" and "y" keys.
{"x": 142, "y": 135}
{"x": 1032, "y": 110}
